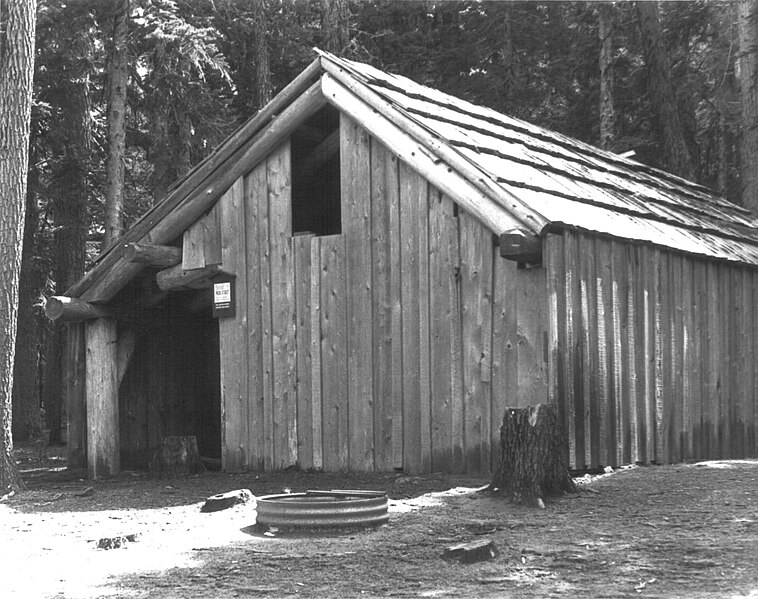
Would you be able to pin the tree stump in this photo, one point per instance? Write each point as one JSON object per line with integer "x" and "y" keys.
{"x": 533, "y": 460}
{"x": 177, "y": 456}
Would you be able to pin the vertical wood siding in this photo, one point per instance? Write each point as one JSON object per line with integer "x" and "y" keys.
{"x": 651, "y": 353}
{"x": 395, "y": 344}
{"x": 400, "y": 342}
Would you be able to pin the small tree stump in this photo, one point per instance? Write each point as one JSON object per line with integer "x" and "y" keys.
{"x": 177, "y": 456}
{"x": 533, "y": 460}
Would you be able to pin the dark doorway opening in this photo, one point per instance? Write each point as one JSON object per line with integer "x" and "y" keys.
{"x": 172, "y": 383}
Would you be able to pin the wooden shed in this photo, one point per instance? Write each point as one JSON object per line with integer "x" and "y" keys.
{"x": 369, "y": 271}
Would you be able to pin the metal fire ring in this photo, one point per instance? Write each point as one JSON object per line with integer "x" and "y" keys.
{"x": 323, "y": 509}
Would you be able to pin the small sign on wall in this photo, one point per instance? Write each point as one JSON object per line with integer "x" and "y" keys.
{"x": 223, "y": 296}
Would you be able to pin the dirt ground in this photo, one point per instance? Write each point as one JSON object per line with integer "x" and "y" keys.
{"x": 675, "y": 531}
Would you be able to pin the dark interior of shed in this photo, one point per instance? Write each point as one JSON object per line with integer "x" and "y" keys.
{"x": 171, "y": 386}
{"x": 316, "y": 174}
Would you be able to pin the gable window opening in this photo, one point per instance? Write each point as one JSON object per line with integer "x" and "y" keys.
{"x": 315, "y": 148}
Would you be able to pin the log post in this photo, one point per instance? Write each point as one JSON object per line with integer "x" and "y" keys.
{"x": 102, "y": 398}
{"x": 533, "y": 461}
{"x": 76, "y": 399}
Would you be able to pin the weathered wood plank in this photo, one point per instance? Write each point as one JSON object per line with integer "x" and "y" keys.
{"x": 753, "y": 332}
{"x": 631, "y": 349}
{"x": 212, "y": 236}
{"x": 442, "y": 229}
{"x": 712, "y": 441}
{"x": 76, "y": 398}
{"x": 556, "y": 280}
{"x": 256, "y": 191}
{"x": 648, "y": 318}
{"x": 103, "y": 455}
{"x": 748, "y": 390}
{"x": 316, "y": 372}
{"x": 278, "y": 175}
{"x": 233, "y": 335}
{"x": 396, "y": 296}
{"x": 725, "y": 360}
{"x": 505, "y": 346}
{"x": 531, "y": 330}
{"x": 476, "y": 298}
{"x": 699, "y": 340}
{"x": 603, "y": 292}
{"x": 667, "y": 356}
{"x": 334, "y": 353}
{"x": 425, "y": 396}
{"x": 688, "y": 366}
{"x": 675, "y": 395}
{"x": 617, "y": 347}
{"x": 586, "y": 399}
{"x": 456, "y": 374}
{"x": 302, "y": 261}
{"x": 413, "y": 194}
{"x": 639, "y": 323}
{"x": 193, "y": 243}
{"x": 655, "y": 298}
{"x": 384, "y": 198}
{"x": 573, "y": 365}
{"x": 355, "y": 170}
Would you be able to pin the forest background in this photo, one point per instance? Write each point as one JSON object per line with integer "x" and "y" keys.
{"x": 130, "y": 94}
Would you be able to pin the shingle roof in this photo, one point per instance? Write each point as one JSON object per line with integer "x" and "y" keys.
{"x": 570, "y": 183}
{"x": 528, "y": 174}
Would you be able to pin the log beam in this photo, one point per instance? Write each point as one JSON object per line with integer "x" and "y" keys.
{"x": 102, "y": 398}
{"x": 71, "y": 309}
{"x": 178, "y": 278}
{"x": 152, "y": 254}
{"x": 521, "y": 246}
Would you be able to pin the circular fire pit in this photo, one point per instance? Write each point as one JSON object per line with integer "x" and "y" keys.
{"x": 323, "y": 510}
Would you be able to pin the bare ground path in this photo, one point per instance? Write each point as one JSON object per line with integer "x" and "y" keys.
{"x": 674, "y": 531}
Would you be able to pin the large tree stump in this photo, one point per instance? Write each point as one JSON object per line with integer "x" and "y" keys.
{"x": 177, "y": 456}
{"x": 533, "y": 460}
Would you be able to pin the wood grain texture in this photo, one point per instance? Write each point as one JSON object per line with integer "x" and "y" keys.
{"x": 334, "y": 375}
{"x": 278, "y": 175}
{"x": 442, "y": 304}
{"x": 316, "y": 372}
{"x": 355, "y": 169}
{"x": 233, "y": 335}
{"x": 256, "y": 192}
{"x": 303, "y": 330}
{"x": 103, "y": 455}
{"x": 413, "y": 194}
{"x": 476, "y": 249}
{"x": 384, "y": 199}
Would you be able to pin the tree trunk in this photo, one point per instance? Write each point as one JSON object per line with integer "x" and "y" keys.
{"x": 262, "y": 63}
{"x": 27, "y": 421}
{"x": 17, "y": 28}
{"x": 335, "y": 26}
{"x": 533, "y": 457}
{"x": 607, "y": 113}
{"x": 117, "y": 72}
{"x": 748, "y": 72}
{"x": 674, "y": 151}
{"x": 69, "y": 209}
